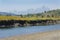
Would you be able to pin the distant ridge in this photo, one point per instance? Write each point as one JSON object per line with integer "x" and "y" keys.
{"x": 6, "y": 13}
{"x": 33, "y": 11}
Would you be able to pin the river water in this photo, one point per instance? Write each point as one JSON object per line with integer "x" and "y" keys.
{"x": 27, "y": 30}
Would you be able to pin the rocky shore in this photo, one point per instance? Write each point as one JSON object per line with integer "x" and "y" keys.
{"x": 21, "y": 23}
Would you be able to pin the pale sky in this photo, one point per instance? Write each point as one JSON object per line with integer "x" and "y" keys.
{"x": 10, "y": 5}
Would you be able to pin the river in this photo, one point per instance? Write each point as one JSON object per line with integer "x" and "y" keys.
{"x": 27, "y": 30}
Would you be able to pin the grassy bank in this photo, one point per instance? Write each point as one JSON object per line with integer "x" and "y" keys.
{"x": 27, "y": 18}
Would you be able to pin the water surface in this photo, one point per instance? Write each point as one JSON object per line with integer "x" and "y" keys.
{"x": 27, "y": 30}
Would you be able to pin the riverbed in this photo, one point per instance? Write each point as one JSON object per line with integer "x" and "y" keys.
{"x": 27, "y": 30}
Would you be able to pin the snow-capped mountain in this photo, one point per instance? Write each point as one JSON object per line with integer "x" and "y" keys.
{"x": 28, "y": 11}
{"x": 31, "y": 11}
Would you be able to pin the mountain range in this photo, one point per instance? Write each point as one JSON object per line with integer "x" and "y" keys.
{"x": 28, "y": 11}
{"x": 6, "y": 13}
{"x": 33, "y": 11}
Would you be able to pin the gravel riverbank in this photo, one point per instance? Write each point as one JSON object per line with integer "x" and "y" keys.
{"x": 50, "y": 35}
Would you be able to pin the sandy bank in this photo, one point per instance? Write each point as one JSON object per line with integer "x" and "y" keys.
{"x": 51, "y": 35}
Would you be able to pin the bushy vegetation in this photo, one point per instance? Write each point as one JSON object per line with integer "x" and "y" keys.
{"x": 52, "y": 14}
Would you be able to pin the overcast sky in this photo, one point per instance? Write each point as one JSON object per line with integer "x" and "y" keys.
{"x": 10, "y": 5}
